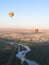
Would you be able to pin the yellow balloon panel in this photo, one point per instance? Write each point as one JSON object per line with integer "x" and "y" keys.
{"x": 11, "y": 14}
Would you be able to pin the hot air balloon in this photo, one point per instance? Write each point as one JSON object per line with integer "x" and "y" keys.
{"x": 11, "y": 14}
{"x": 36, "y": 30}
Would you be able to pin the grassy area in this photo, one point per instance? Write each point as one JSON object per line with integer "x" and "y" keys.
{"x": 39, "y": 53}
{"x": 8, "y": 53}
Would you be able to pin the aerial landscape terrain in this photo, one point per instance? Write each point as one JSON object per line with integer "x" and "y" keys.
{"x": 37, "y": 41}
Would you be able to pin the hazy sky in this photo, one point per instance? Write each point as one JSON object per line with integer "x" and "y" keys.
{"x": 28, "y": 14}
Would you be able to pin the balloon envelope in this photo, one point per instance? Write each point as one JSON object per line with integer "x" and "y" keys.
{"x": 11, "y": 14}
{"x": 36, "y": 30}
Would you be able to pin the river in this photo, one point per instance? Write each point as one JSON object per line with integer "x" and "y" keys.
{"x": 21, "y": 54}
